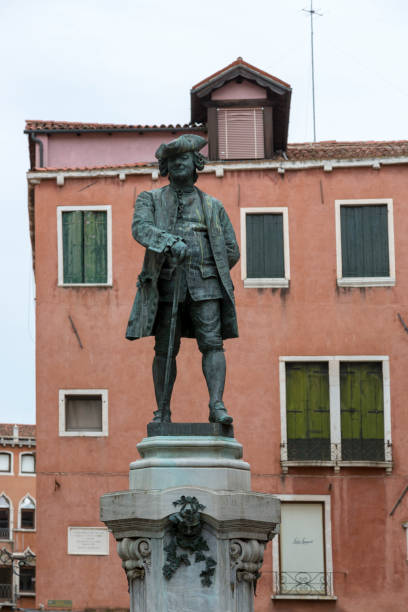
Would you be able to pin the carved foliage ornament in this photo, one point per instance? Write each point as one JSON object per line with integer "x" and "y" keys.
{"x": 185, "y": 533}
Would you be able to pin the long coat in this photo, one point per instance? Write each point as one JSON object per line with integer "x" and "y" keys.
{"x": 154, "y": 220}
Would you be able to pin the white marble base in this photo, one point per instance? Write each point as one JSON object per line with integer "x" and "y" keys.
{"x": 174, "y": 461}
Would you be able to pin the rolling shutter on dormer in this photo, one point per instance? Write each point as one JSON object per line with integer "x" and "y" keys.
{"x": 240, "y": 133}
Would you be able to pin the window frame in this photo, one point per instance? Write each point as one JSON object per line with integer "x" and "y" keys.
{"x": 21, "y": 473}
{"x": 335, "y": 414}
{"x": 104, "y": 396}
{"x": 328, "y": 549}
{"x": 96, "y": 207}
{"x": 20, "y": 503}
{"x": 11, "y": 462}
{"x": 11, "y": 518}
{"x": 262, "y": 283}
{"x": 368, "y": 281}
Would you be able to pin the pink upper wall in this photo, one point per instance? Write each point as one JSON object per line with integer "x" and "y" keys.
{"x": 102, "y": 149}
{"x": 239, "y": 91}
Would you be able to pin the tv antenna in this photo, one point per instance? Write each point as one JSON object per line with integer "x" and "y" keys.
{"x": 312, "y": 13}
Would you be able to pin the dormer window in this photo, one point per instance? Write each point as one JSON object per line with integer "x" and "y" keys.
{"x": 241, "y": 133}
{"x": 246, "y": 111}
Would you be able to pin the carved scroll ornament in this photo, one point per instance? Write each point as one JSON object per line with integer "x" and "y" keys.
{"x": 135, "y": 554}
{"x": 246, "y": 558}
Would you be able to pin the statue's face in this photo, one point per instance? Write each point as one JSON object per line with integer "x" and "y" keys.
{"x": 181, "y": 167}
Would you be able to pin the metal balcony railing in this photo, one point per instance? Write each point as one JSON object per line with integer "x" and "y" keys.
{"x": 4, "y": 533}
{"x": 5, "y": 592}
{"x": 303, "y": 583}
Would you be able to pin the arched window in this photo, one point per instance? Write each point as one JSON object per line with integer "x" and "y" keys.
{"x": 27, "y": 463}
{"x": 27, "y": 513}
{"x": 4, "y": 518}
{"x": 6, "y": 463}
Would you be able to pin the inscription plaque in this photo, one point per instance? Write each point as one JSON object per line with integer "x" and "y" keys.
{"x": 88, "y": 541}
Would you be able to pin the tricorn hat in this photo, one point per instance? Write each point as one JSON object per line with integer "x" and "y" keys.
{"x": 183, "y": 144}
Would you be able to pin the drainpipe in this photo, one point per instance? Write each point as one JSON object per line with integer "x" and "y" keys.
{"x": 41, "y": 145}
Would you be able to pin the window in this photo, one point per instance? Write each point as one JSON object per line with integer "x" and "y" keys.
{"x": 240, "y": 133}
{"x": 83, "y": 412}
{"x": 84, "y": 245}
{"x": 302, "y": 553}
{"x": 265, "y": 247}
{"x": 27, "y": 580}
{"x": 4, "y": 518}
{"x": 27, "y": 513}
{"x": 6, "y": 583}
{"x": 335, "y": 411}
{"x": 5, "y": 463}
{"x": 27, "y": 463}
{"x": 365, "y": 243}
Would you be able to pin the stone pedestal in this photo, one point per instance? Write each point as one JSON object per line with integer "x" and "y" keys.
{"x": 191, "y": 534}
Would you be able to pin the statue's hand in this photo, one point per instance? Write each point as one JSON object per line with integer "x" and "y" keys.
{"x": 179, "y": 251}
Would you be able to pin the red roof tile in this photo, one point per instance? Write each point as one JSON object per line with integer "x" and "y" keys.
{"x": 331, "y": 149}
{"x": 24, "y": 431}
{"x": 34, "y": 125}
{"x": 240, "y": 61}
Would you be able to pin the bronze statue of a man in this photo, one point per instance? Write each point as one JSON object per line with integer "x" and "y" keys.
{"x": 190, "y": 248}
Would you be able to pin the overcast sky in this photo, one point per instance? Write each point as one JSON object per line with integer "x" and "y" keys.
{"x": 134, "y": 61}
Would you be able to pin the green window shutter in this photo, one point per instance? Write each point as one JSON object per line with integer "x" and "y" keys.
{"x": 364, "y": 240}
{"x": 264, "y": 245}
{"x": 95, "y": 247}
{"x": 308, "y": 410}
{"x": 72, "y": 246}
{"x": 362, "y": 411}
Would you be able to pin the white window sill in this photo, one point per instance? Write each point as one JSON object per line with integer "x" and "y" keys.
{"x": 84, "y": 285}
{"x": 26, "y": 594}
{"x": 24, "y": 530}
{"x": 84, "y": 434}
{"x": 380, "y": 281}
{"x": 30, "y": 474}
{"x": 337, "y": 464}
{"x": 265, "y": 283}
{"x": 306, "y": 597}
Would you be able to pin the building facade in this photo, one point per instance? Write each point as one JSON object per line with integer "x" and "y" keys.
{"x": 18, "y": 519}
{"x": 315, "y": 383}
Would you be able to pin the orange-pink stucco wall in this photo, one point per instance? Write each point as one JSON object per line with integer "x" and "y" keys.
{"x": 312, "y": 317}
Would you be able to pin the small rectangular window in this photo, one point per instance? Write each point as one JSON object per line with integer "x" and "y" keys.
{"x": 265, "y": 247}
{"x": 5, "y": 462}
{"x": 365, "y": 243}
{"x": 84, "y": 245}
{"x": 83, "y": 412}
{"x": 27, "y": 464}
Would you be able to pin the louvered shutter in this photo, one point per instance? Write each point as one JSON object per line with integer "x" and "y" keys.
{"x": 72, "y": 246}
{"x": 264, "y": 245}
{"x": 362, "y": 411}
{"x": 95, "y": 247}
{"x": 364, "y": 241}
{"x": 240, "y": 133}
{"x": 308, "y": 411}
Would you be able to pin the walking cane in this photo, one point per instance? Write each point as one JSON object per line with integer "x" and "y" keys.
{"x": 170, "y": 349}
